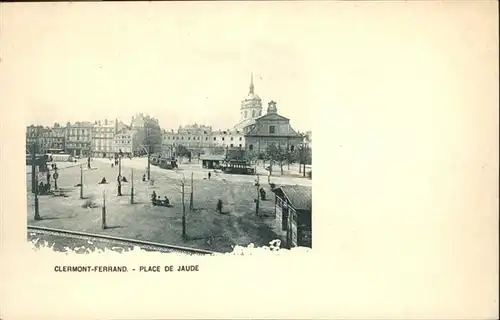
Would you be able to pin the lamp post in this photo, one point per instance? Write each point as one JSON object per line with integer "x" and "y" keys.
{"x": 132, "y": 189}
{"x": 81, "y": 182}
{"x": 148, "y": 152}
{"x": 191, "y": 199}
{"x": 34, "y": 174}
{"x": 120, "y": 155}
{"x": 257, "y": 200}
{"x": 103, "y": 225}
{"x": 183, "y": 211}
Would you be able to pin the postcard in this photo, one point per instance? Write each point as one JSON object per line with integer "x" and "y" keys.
{"x": 169, "y": 153}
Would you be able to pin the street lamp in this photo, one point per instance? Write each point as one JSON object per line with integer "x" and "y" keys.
{"x": 149, "y": 159}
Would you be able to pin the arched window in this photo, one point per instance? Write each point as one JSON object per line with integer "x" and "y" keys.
{"x": 250, "y": 147}
{"x": 292, "y": 148}
{"x": 245, "y": 114}
{"x": 253, "y": 114}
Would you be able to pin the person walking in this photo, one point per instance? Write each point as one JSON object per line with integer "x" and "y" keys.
{"x": 119, "y": 180}
{"x": 219, "y": 206}
{"x": 209, "y": 175}
{"x": 55, "y": 176}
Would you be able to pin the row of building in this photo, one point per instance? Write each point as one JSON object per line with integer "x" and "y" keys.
{"x": 98, "y": 139}
{"x": 254, "y": 132}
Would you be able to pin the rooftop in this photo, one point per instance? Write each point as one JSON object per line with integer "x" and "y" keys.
{"x": 300, "y": 197}
{"x": 213, "y": 157}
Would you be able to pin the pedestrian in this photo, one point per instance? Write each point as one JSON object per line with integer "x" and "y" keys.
{"x": 112, "y": 164}
{"x": 209, "y": 175}
{"x": 219, "y": 206}
{"x": 119, "y": 185}
{"x": 48, "y": 176}
{"x": 144, "y": 177}
{"x": 55, "y": 176}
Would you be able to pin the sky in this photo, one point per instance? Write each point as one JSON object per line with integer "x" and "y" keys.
{"x": 180, "y": 62}
{"x": 190, "y": 62}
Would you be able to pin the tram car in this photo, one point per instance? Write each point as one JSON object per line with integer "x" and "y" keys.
{"x": 168, "y": 164}
{"x": 237, "y": 167}
{"x": 155, "y": 159}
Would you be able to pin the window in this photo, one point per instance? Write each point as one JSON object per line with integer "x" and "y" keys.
{"x": 206, "y": 138}
{"x": 189, "y": 138}
{"x": 240, "y": 145}
{"x": 272, "y": 129}
{"x": 250, "y": 147}
{"x": 215, "y": 138}
{"x": 253, "y": 114}
{"x": 231, "y": 138}
{"x": 292, "y": 148}
{"x": 222, "y": 138}
{"x": 231, "y": 145}
{"x": 182, "y": 138}
{"x": 245, "y": 114}
{"x": 240, "y": 138}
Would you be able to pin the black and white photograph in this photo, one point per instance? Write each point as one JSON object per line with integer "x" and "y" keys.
{"x": 189, "y": 186}
{"x": 165, "y": 140}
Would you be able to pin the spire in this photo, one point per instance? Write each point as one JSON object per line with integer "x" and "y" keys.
{"x": 251, "y": 82}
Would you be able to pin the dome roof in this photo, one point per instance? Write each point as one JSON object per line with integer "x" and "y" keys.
{"x": 252, "y": 96}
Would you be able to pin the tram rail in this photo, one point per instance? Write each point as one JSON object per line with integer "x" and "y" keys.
{"x": 117, "y": 241}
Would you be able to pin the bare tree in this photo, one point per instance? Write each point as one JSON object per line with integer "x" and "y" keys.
{"x": 278, "y": 155}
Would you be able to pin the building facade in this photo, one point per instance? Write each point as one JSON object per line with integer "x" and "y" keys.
{"x": 271, "y": 129}
{"x": 39, "y": 135}
{"x": 148, "y": 133}
{"x": 125, "y": 141}
{"x": 58, "y": 134}
{"x": 79, "y": 138}
{"x": 293, "y": 215}
{"x": 103, "y": 137}
{"x": 202, "y": 139}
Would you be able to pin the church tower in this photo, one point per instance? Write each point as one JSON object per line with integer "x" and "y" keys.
{"x": 251, "y": 107}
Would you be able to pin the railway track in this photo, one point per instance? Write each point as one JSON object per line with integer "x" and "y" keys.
{"x": 117, "y": 241}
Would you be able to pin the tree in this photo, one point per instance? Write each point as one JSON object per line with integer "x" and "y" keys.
{"x": 278, "y": 155}
{"x": 292, "y": 157}
{"x": 181, "y": 151}
{"x": 251, "y": 157}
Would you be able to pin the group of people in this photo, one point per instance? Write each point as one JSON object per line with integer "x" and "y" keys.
{"x": 43, "y": 188}
{"x": 156, "y": 200}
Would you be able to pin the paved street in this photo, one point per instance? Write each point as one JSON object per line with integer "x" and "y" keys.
{"x": 206, "y": 228}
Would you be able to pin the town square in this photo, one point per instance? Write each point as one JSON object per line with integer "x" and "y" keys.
{"x": 195, "y": 187}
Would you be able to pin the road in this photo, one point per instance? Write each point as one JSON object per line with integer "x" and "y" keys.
{"x": 206, "y": 229}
